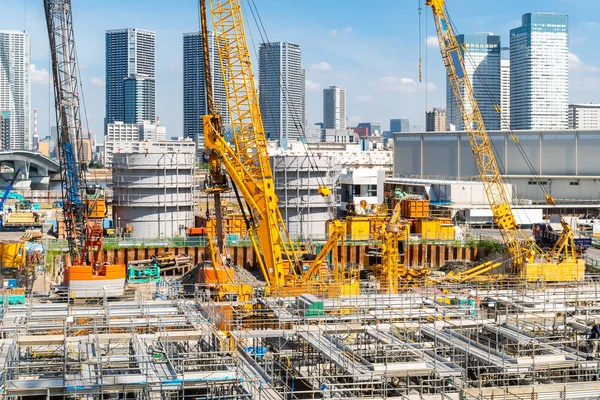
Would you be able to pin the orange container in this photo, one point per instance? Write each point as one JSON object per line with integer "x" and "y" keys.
{"x": 415, "y": 208}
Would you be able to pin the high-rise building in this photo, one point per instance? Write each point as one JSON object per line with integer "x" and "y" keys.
{"x": 399, "y": 125}
{"x": 505, "y": 93}
{"x": 334, "y": 108}
{"x": 15, "y": 86}
{"x": 373, "y": 127}
{"x": 4, "y": 129}
{"x": 481, "y": 53}
{"x": 130, "y": 75}
{"x": 194, "y": 86}
{"x": 282, "y": 90}
{"x": 584, "y": 116}
{"x": 539, "y": 72}
{"x": 435, "y": 120}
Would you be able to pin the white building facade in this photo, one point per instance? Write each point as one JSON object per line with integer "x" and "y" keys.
{"x": 505, "y": 93}
{"x": 539, "y": 72}
{"x": 15, "y": 86}
{"x": 584, "y": 116}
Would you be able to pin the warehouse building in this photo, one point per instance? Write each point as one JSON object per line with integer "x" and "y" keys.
{"x": 566, "y": 161}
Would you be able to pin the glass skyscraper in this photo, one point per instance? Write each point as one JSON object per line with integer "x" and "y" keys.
{"x": 282, "y": 91}
{"x": 194, "y": 87}
{"x": 539, "y": 72}
{"x": 399, "y": 125}
{"x": 481, "y": 53}
{"x": 15, "y": 87}
{"x": 130, "y": 76}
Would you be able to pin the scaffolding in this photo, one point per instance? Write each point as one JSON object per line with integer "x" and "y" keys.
{"x": 477, "y": 340}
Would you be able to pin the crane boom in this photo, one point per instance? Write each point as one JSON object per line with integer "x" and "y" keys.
{"x": 479, "y": 139}
{"x": 59, "y": 22}
{"x": 533, "y": 263}
{"x": 248, "y": 165}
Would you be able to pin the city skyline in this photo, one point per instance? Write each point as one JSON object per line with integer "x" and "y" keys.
{"x": 333, "y": 53}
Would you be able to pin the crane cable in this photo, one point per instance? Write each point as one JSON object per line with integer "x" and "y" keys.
{"x": 512, "y": 135}
{"x": 300, "y": 126}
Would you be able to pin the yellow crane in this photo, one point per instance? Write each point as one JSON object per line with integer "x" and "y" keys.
{"x": 530, "y": 261}
{"x": 247, "y": 162}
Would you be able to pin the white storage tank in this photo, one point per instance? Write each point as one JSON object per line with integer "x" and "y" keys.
{"x": 153, "y": 193}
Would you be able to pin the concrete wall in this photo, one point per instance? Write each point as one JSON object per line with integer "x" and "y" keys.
{"x": 153, "y": 193}
{"x": 565, "y": 160}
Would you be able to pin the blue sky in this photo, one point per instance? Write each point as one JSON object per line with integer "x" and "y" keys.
{"x": 370, "y": 48}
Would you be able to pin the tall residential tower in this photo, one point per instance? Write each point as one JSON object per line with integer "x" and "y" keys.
{"x": 539, "y": 72}
{"x": 130, "y": 76}
{"x": 194, "y": 86}
{"x": 481, "y": 52}
{"x": 15, "y": 87}
{"x": 505, "y": 93}
{"x": 282, "y": 90}
{"x": 334, "y": 108}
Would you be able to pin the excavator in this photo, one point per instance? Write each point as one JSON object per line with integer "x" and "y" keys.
{"x": 529, "y": 261}
{"x": 245, "y": 167}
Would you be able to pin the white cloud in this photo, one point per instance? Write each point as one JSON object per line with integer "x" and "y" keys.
{"x": 336, "y": 32}
{"x": 405, "y": 85}
{"x": 321, "y": 66}
{"x": 310, "y": 85}
{"x": 97, "y": 81}
{"x": 576, "y": 64}
{"x": 364, "y": 99}
{"x": 39, "y": 76}
{"x": 431, "y": 41}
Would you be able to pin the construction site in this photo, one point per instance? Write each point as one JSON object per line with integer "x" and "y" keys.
{"x": 391, "y": 301}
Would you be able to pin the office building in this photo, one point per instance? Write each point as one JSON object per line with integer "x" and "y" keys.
{"x": 130, "y": 76}
{"x": 334, "y": 108}
{"x": 584, "y": 116}
{"x": 505, "y": 93}
{"x": 282, "y": 91}
{"x": 399, "y": 126}
{"x": 373, "y": 127}
{"x": 539, "y": 72}
{"x": 435, "y": 120}
{"x": 194, "y": 86}
{"x": 15, "y": 87}
{"x": 481, "y": 54}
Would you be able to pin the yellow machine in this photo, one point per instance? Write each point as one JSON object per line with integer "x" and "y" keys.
{"x": 530, "y": 261}
{"x": 248, "y": 166}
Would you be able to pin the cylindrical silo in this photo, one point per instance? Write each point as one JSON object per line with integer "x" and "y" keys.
{"x": 153, "y": 193}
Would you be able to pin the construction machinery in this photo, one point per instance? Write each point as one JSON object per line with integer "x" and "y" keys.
{"x": 5, "y": 195}
{"x": 530, "y": 262}
{"x": 248, "y": 166}
{"x": 84, "y": 273}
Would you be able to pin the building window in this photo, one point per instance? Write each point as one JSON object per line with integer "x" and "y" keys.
{"x": 576, "y": 183}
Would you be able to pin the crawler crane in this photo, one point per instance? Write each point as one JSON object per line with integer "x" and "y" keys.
{"x": 531, "y": 263}
{"x": 248, "y": 166}
{"x": 83, "y": 274}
